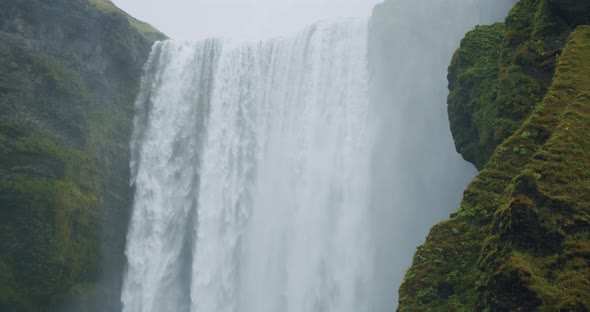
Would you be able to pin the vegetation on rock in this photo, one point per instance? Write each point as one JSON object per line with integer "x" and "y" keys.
{"x": 69, "y": 74}
{"x": 499, "y": 74}
{"x": 145, "y": 29}
{"x": 520, "y": 241}
{"x": 473, "y": 77}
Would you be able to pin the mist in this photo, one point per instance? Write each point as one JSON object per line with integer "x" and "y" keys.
{"x": 240, "y": 19}
{"x": 417, "y": 177}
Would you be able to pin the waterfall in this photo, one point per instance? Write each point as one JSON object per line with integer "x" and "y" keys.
{"x": 295, "y": 174}
{"x": 251, "y": 168}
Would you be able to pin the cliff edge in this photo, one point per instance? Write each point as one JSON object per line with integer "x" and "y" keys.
{"x": 519, "y": 107}
{"x": 69, "y": 74}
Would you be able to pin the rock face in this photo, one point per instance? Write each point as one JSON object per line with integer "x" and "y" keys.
{"x": 472, "y": 77}
{"x": 519, "y": 108}
{"x": 499, "y": 74}
{"x": 575, "y": 12}
{"x": 69, "y": 73}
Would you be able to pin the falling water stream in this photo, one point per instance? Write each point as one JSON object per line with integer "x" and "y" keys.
{"x": 282, "y": 175}
{"x": 251, "y": 168}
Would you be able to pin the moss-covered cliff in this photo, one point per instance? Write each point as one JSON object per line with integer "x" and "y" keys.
{"x": 499, "y": 74}
{"x": 69, "y": 72}
{"x": 519, "y": 107}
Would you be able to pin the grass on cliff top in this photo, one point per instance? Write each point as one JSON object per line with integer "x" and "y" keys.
{"x": 144, "y": 28}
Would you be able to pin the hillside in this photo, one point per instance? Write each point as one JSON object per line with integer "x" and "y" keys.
{"x": 69, "y": 74}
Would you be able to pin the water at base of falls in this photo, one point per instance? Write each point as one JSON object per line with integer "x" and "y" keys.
{"x": 251, "y": 167}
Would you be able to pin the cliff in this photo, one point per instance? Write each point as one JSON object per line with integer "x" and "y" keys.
{"x": 519, "y": 107}
{"x": 69, "y": 73}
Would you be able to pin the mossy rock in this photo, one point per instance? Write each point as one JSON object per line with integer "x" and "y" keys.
{"x": 144, "y": 28}
{"x": 473, "y": 79}
{"x": 70, "y": 71}
{"x": 520, "y": 241}
{"x": 499, "y": 74}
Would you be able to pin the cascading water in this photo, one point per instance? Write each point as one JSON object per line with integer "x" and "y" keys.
{"x": 282, "y": 176}
{"x": 251, "y": 168}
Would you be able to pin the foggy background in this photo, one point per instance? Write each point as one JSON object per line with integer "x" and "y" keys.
{"x": 417, "y": 178}
{"x": 239, "y": 19}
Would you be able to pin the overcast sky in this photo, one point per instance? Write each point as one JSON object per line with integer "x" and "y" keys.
{"x": 195, "y": 19}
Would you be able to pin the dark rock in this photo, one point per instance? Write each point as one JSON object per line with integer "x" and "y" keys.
{"x": 508, "y": 290}
{"x": 575, "y": 12}
{"x": 526, "y": 228}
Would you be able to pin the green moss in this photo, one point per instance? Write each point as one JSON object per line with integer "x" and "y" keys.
{"x": 39, "y": 145}
{"x": 499, "y": 74}
{"x": 105, "y": 5}
{"x": 527, "y": 247}
{"x": 144, "y": 28}
{"x": 473, "y": 77}
{"x": 65, "y": 121}
{"x": 51, "y": 223}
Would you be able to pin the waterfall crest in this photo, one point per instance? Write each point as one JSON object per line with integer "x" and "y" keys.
{"x": 251, "y": 167}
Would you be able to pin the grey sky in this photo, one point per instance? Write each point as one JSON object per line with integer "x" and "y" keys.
{"x": 195, "y": 19}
